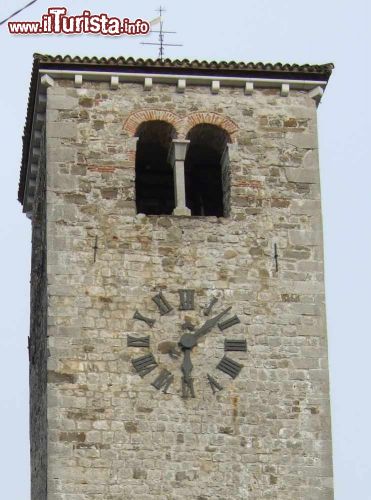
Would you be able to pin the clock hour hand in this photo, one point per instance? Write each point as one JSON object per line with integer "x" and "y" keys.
{"x": 187, "y": 364}
{"x": 209, "y": 324}
{"x": 187, "y": 380}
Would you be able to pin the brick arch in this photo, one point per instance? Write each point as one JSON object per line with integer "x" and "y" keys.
{"x": 210, "y": 118}
{"x": 138, "y": 117}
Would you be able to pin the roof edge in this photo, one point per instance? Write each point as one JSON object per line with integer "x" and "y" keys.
{"x": 259, "y": 69}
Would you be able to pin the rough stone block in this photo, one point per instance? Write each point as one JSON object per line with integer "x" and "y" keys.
{"x": 304, "y": 237}
{"x": 61, "y": 102}
{"x": 307, "y": 207}
{"x": 302, "y": 175}
{"x": 61, "y": 154}
{"x": 302, "y": 140}
{"x": 62, "y": 130}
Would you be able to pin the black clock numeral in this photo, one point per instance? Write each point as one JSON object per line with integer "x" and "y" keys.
{"x": 234, "y": 320}
{"x": 162, "y": 304}
{"x": 138, "y": 341}
{"x": 235, "y": 345}
{"x": 209, "y": 307}
{"x": 186, "y": 300}
{"x": 163, "y": 381}
{"x": 144, "y": 364}
{"x": 214, "y": 384}
{"x": 187, "y": 388}
{"x": 230, "y": 367}
{"x": 150, "y": 322}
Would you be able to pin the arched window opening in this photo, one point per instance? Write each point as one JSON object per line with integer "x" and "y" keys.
{"x": 207, "y": 171}
{"x": 154, "y": 186}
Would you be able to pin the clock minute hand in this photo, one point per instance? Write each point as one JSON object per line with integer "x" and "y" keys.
{"x": 210, "y": 323}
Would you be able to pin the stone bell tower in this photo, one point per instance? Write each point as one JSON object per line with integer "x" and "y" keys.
{"x": 178, "y": 338}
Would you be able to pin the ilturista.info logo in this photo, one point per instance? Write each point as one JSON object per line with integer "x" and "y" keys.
{"x": 57, "y": 22}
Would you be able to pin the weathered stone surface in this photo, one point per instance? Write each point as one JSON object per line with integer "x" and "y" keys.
{"x": 61, "y": 102}
{"x": 305, "y": 175}
{"x": 110, "y": 433}
{"x": 61, "y": 154}
{"x": 307, "y": 207}
{"x": 60, "y": 378}
{"x": 38, "y": 339}
{"x": 62, "y": 130}
{"x": 305, "y": 237}
{"x": 303, "y": 140}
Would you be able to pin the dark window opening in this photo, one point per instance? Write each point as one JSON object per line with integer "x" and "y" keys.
{"x": 207, "y": 171}
{"x": 154, "y": 185}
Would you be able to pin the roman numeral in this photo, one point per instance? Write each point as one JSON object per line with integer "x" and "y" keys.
{"x": 186, "y": 299}
{"x": 230, "y": 367}
{"x": 215, "y": 386}
{"x": 163, "y": 381}
{"x": 234, "y": 320}
{"x": 187, "y": 388}
{"x": 150, "y": 322}
{"x": 235, "y": 345}
{"x": 208, "y": 308}
{"x": 144, "y": 364}
{"x": 162, "y": 304}
{"x": 138, "y": 341}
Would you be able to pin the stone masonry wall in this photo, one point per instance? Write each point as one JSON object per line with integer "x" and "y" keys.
{"x": 111, "y": 434}
{"x": 37, "y": 341}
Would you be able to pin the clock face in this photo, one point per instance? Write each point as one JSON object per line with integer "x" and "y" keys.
{"x": 184, "y": 349}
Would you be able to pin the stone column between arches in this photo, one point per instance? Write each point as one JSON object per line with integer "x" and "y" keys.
{"x": 177, "y": 156}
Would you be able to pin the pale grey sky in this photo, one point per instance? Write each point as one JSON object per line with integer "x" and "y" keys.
{"x": 335, "y": 31}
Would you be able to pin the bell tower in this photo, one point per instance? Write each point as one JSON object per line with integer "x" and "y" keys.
{"x": 177, "y": 339}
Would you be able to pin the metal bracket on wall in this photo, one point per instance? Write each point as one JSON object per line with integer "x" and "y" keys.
{"x": 95, "y": 248}
{"x": 275, "y": 256}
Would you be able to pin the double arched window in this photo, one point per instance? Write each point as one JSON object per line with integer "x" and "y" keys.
{"x": 188, "y": 177}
